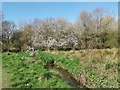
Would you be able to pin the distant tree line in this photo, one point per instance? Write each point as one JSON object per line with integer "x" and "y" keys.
{"x": 96, "y": 29}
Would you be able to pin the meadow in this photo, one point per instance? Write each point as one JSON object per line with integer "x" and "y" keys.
{"x": 59, "y": 51}
{"x": 94, "y": 68}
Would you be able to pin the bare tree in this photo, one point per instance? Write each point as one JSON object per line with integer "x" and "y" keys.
{"x": 7, "y": 30}
{"x": 85, "y": 21}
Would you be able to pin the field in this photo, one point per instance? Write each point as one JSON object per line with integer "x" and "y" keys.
{"x": 96, "y": 68}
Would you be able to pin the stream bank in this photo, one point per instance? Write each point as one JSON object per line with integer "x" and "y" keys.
{"x": 65, "y": 75}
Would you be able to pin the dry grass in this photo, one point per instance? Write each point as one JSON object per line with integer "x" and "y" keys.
{"x": 5, "y": 79}
{"x": 97, "y": 54}
{"x": 98, "y": 60}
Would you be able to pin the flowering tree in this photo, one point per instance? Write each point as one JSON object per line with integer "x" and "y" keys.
{"x": 43, "y": 34}
{"x": 64, "y": 34}
{"x": 53, "y": 33}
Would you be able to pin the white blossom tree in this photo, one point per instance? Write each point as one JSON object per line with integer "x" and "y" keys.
{"x": 53, "y": 33}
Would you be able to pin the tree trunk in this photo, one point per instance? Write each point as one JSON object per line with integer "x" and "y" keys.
{"x": 56, "y": 49}
{"x": 19, "y": 48}
{"x": 48, "y": 49}
{"x": 73, "y": 48}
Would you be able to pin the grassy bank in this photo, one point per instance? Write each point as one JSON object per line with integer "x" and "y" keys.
{"x": 98, "y": 68}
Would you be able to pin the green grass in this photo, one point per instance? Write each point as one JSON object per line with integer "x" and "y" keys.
{"x": 0, "y": 71}
{"x": 27, "y": 74}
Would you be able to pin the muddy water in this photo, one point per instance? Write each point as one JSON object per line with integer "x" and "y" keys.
{"x": 65, "y": 76}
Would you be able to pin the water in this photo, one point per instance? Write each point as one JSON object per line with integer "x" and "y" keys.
{"x": 65, "y": 76}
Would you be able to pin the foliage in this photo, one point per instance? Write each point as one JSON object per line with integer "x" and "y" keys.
{"x": 28, "y": 74}
{"x": 95, "y": 29}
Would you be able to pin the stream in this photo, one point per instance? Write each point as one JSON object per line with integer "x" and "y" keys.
{"x": 65, "y": 76}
